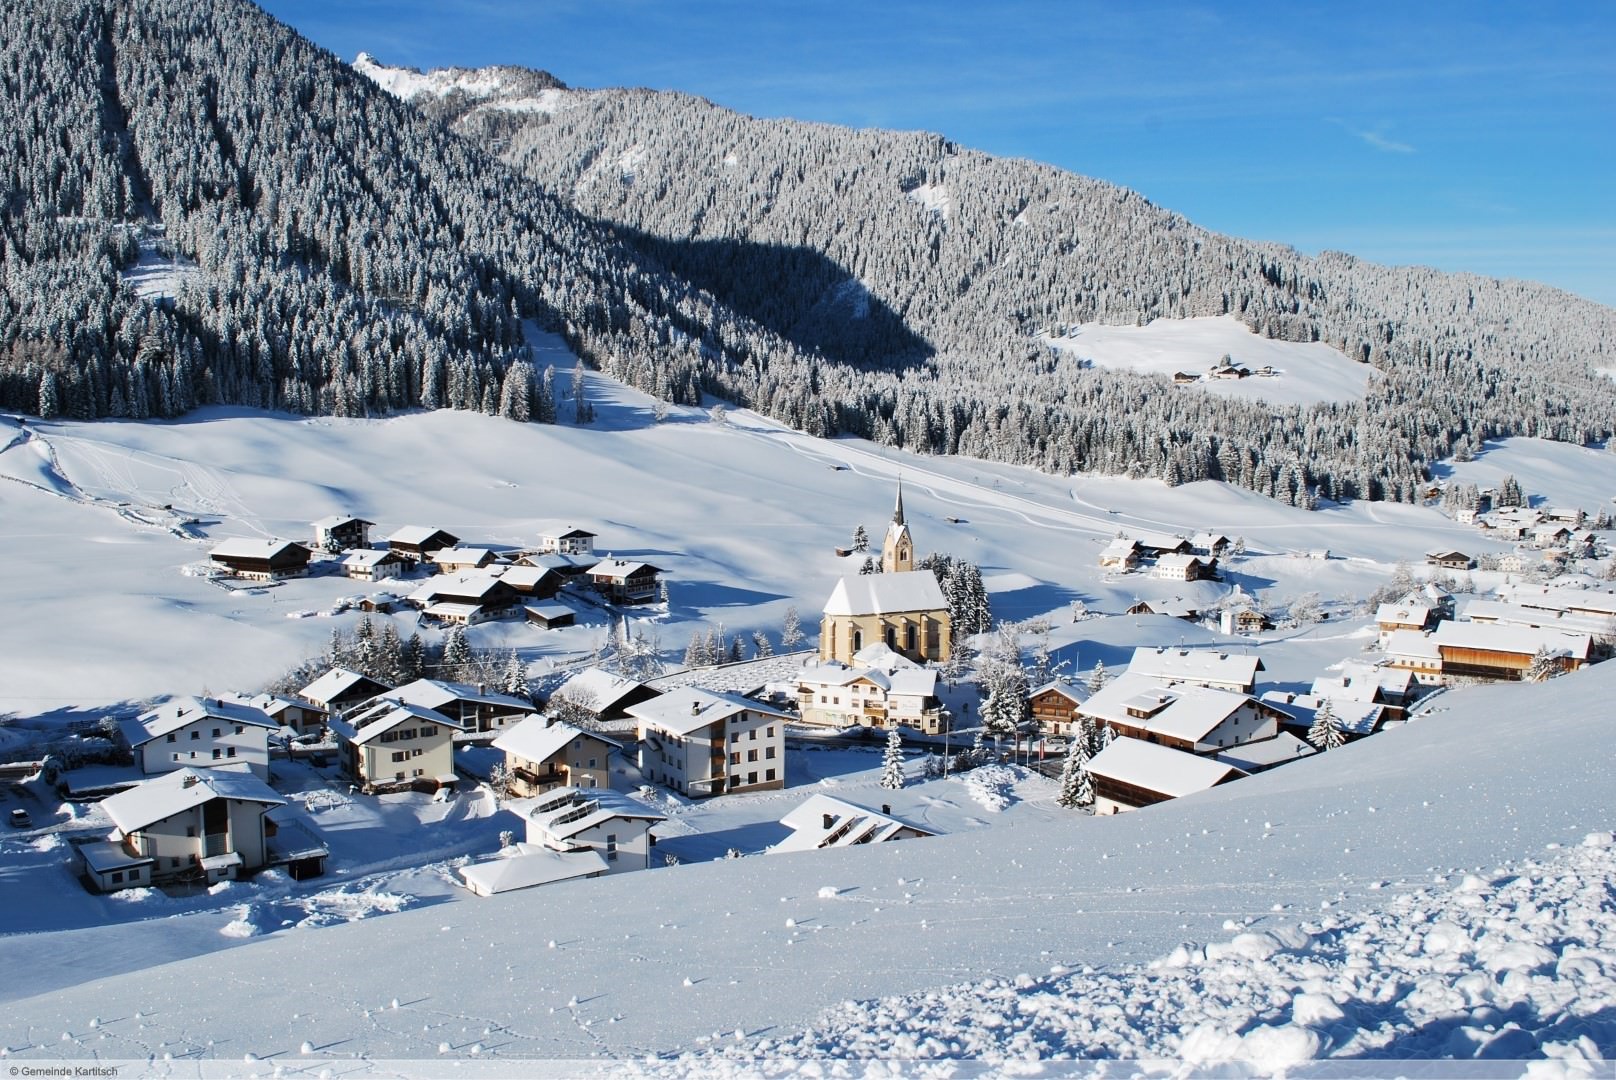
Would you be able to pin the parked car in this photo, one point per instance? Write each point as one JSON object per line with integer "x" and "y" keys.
{"x": 20, "y": 819}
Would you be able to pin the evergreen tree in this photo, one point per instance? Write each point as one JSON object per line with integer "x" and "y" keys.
{"x": 696, "y": 652}
{"x": 1076, "y": 786}
{"x": 1325, "y": 731}
{"x": 861, "y": 539}
{"x": 412, "y": 663}
{"x": 869, "y": 566}
{"x": 892, "y": 761}
{"x": 457, "y": 660}
{"x": 513, "y": 680}
{"x": 760, "y": 644}
{"x": 49, "y": 406}
{"x": 791, "y": 629}
{"x": 1098, "y": 677}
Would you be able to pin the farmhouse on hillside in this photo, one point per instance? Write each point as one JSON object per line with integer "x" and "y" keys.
{"x": 339, "y": 689}
{"x": 540, "y": 755}
{"x": 261, "y": 560}
{"x": 701, "y": 742}
{"x": 341, "y": 532}
{"x": 624, "y": 581}
{"x": 1203, "y": 667}
{"x": 1130, "y": 774}
{"x": 390, "y": 746}
{"x": 197, "y": 732}
{"x": 418, "y": 542}
{"x": 375, "y": 564}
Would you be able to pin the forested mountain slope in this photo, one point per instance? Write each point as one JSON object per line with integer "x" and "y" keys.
{"x": 925, "y": 269}
{"x": 351, "y": 257}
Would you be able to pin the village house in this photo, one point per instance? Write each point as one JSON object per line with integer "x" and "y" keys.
{"x": 197, "y": 732}
{"x": 461, "y": 560}
{"x": 1354, "y": 718}
{"x": 824, "y": 821}
{"x": 474, "y": 710}
{"x": 700, "y": 742}
{"x": 203, "y": 825}
{"x": 883, "y": 690}
{"x": 302, "y": 717}
{"x": 1176, "y": 567}
{"x": 565, "y": 566}
{"x": 1212, "y": 544}
{"x": 391, "y": 746}
{"x": 540, "y": 755}
{"x": 340, "y": 689}
{"x": 566, "y": 539}
{"x": 261, "y": 560}
{"x": 341, "y": 532}
{"x": 1416, "y": 653}
{"x": 1450, "y": 560}
{"x": 1505, "y": 614}
{"x": 1202, "y": 667}
{"x": 1357, "y": 680}
{"x": 1130, "y": 774}
{"x": 465, "y": 599}
{"x": 624, "y": 581}
{"x": 1243, "y": 620}
{"x": 1054, "y": 708}
{"x": 1176, "y": 607}
{"x": 418, "y": 542}
{"x": 1185, "y": 378}
{"x": 549, "y": 616}
{"x": 604, "y": 697}
{"x": 1195, "y": 719}
{"x": 375, "y": 564}
{"x": 1265, "y": 754}
{"x": 1403, "y": 615}
{"x": 1490, "y": 651}
{"x": 1571, "y": 600}
{"x": 1155, "y": 545}
{"x": 1122, "y": 553}
{"x": 531, "y": 582}
{"x": 613, "y": 825}
{"x": 1550, "y": 535}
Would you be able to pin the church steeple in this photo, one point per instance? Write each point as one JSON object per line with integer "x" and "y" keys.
{"x": 898, "y": 548}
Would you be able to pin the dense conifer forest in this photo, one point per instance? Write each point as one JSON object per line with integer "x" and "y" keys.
{"x": 348, "y": 253}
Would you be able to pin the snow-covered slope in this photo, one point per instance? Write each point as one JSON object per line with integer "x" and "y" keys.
{"x": 508, "y": 88}
{"x": 1358, "y": 845}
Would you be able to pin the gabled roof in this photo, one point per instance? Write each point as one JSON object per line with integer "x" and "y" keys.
{"x": 849, "y": 824}
{"x": 1413, "y": 645}
{"x": 366, "y": 558}
{"x": 690, "y": 708}
{"x": 273, "y": 704}
{"x": 532, "y": 865}
{"x": 562, "y": 530}
{"x": 1249, "y": 757}
{"x": 525, "y": 577}
{"x": 870, "y": 594}
{"x": 172, "y": 793}
{"x": 436, "y": 693}
{"x": 334, "y": 683}
{"x": 177, "y": 713}
{"x": 596, "y": 688}
{"x": 1195, "y": 665}
{"x": 1353, "y": 716}
{"x": 385, "y": 714}
{"x": 1179, "y": 710}
{"x": 1404, "y": 613}
{"x": 1526, "y": 640}
{"x": 475, "y": 585}
{"x": 253, "y": 549}
{"x": 417, "y": 534}
{"x": 562, "y": 813}
{"x": 1174, "y": 560}
{"x": 1076, "y": 695}
{"x": 622, "y": 568}
{"x": 457, "y": 555}
{"x": 336, "y": 521}
{"x": 537, "y": 739}
{"x": 1159, "y": 768}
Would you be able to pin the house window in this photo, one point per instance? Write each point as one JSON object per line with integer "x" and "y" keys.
{"x": 751, "y": 778}
{"x": 215, "y": 733}
{"x": 611, "y": 847}
{"x": 231, "y": 752}
{"x": 751, "y": 755}
{"x": 193, "y": 755}
{"x": 240, "y": 729}
{"x": 768, "y": 733}
{"x": 195, "y": 734}
{"x": 592, "y": 763}
{"x": 117, "y": 876}
{"x": 176, "y": 755}
{"x": 734, "y": 737}
{"x": 173, "y": 861}
{"x": 416, "y": 752}
{"x": 768, "y": 752}
{"x": 752, "y": 734}
{"x": 909, "y": 638}
{"x": 769, "y": 775}
{"x": 217, "y": 753}
{"x": 858, "y": 640}
{"x": 190, "y": 830}
{"x": 172, "y": 736}
{"x": 735, "y": 758}
{"x": 399, "y": 755}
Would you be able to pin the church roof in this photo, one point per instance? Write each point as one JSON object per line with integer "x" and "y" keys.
{"x": 873, "y": 594}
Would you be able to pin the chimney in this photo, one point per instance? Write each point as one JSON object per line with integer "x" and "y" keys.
{"x": 829, "y": 822}
{"x": 886, "y": 808}
{"x": 695, "y": 708}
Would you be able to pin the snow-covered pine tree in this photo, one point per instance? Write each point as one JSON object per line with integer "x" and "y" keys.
{"x": 869, "y": 566}
{"x": 760, "y": 645}
{"x": 1098, "y": 677}
{"x": 1325, "y": 731}
{"x": 412, "y": 662}
{"x": 861, "y": 539}
{"x": 457, "y": 659}
{"x": 696, "y": 651}
{"x": 513, "y": 680}
{"x": 1076, "y": 786}
{"x": 892, "y": 761}
{"x": 1545, "y": 665}
{"x": 791, "y": 629}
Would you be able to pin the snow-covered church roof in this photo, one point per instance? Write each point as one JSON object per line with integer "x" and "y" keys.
{"x": 878, "y": 594}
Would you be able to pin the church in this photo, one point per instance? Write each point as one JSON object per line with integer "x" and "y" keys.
{"x": 901, "y": 607}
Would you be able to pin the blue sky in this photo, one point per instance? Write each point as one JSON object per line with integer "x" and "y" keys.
{"x": 1472, "y": 136}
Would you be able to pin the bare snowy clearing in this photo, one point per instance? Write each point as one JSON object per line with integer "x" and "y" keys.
{"x": 1305, "y": 373}
{"x": 1551, "y": 473}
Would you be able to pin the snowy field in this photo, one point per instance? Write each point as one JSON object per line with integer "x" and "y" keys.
{"x": 1339, "y": 853}
{"x": 1304, "y": 373}
{"x": 1556, "y": 473}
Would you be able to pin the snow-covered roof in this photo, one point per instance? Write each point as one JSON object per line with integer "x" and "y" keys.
{"x": 272, "y": 705}
{"x": 1354, "y": 716}
{"x": 1176, "y": 561}
{"x": 336, "y": 521}
{"x": 555, "y": 560}
{"x": 104, "y": 856}
{"x": 869, "y": 594}
{"x": 536, "y": 739}
{"x": 333, "y": 684}
{"x": 474, "y": 584}
{"x": 1177, "y": 607}
{"x": 622, "y": 568}
{"x": 533, "y": 864}
{"x": 596, "y": 689}
{"x": 1208, "y": 540}
{"x": 452, "y": 609}
{"x": 689, "y": 708}
{"x": 1159, "y": 541}
{"x": 1179, "y": 710}
{"x": 1119, "y": 546}
{"x": 549, "y": 612}
{"x": 176, "y": 713}
{"x": 436, "y": 693}
{"x": 880, "y": 655}
{"x": 385, "y": 714}
{"x": 1075, "y": 694}
{"x": 562, "y": 813}
{"x": 1527, "y": 640}
{"x": 367, "y": 558}
{"x": 417, "y": 534}
{"x": 1403, "y": 614}
{"x": 523, "y": 577}
{"x": 848, "y": 824}
{"x": 172, "y": 793}
{"x": 462, "y": 556}
{"x": 1195, "y": 665}
{"x": 242, "y": 548}
{"x": 1504, "y": 614}
{"x": 1159, "y": 768}
{"x": 1266, "y": 753}
{"x": 562, "y": 530}
{"x": 1412, "y": 645}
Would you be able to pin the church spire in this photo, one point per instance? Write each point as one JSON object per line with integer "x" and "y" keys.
{"x": 898, "y": 549}
{"x": 897, "y": 513}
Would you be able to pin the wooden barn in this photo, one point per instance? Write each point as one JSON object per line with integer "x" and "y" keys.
{"x": 261, "y": 560}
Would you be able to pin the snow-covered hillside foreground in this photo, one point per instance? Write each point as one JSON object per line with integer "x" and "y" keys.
{"x": 1396, "y": 898}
